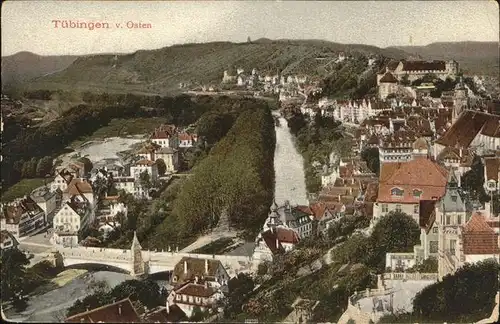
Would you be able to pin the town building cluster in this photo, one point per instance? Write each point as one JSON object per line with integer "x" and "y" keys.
{"x": 78, "y": 198}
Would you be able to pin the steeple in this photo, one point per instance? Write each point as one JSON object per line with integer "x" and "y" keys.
{"x": 135, "y": 243}
{"x": 138, "y": 267}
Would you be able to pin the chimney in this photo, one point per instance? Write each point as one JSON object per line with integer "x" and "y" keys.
{"x": 206, "y": 266}
{"x": 196, "y": 279}
{"x": 461, "y": 152}
{"x": 168, "y": 308}
{"x": 119, "y": 309}
{"x": 185, "y": 267}
{"x": 277, "y": 242}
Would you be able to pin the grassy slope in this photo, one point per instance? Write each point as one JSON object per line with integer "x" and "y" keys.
{"x": 473, "y": 57}
{"x": 22, "y": 188}
{"x": 156, "y": 71}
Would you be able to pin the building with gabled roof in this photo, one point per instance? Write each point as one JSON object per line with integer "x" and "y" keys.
{"x": 118, "y": 312}
{"x": 22, "y": 217}
{"x": 472, "y": 129}
{"x": 209, "y": 270}
{"x": 192, "y": 294}
{"x": 403, "y": 185}
{"x": 478, "y": 240}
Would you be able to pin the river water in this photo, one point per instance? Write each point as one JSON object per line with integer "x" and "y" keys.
{"x": 288, "y": 167}
{"x": 52, "y": 306}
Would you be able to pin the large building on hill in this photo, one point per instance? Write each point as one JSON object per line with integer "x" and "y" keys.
{"x": 416, "y": 69}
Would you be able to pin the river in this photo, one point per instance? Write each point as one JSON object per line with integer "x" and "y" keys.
{"x": 288, "y": 167}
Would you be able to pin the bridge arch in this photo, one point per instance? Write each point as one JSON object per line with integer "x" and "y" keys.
{"x": 92, "y": 266}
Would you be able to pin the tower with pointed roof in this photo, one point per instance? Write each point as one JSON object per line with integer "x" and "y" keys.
{"x": 274, "y": 217}
{"x": 137, "y": 260}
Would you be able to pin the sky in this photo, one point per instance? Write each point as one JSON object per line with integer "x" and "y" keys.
{"x": 35, "y": 26}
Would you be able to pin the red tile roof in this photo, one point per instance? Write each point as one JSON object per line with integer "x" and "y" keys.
{"x": 198, "y": 290}
{"x": 478, "y": 237}
{"x": 120, "y": 312}
{"x": 466, "y": 128}
{"x": 282, "y": 235}
{"x": 78, "y": 187}
{"x": 421, "y": 174}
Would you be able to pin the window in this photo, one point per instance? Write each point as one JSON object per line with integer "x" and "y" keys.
{"x": 178, "y": 297}
{"x": 174, "y": 279}
{"x": 385, "y": 208}
{"x": 433, "y": 246}
{"x": 448, "y": 220}
{"x": 459, "y": 219}
{"x": 397, "y": 192}
{"x": 452, "y": 246}
{"x": 417, "y": 193}
{"x": 435, "y": 230}
{"x": 416, "y": 209}
{"x": 454, "y": 198}
{"x": 398, "y": 208}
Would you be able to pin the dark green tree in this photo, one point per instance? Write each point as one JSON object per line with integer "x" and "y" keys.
{"x": 395, "y": 232}
{"x": 473, "y": 180}
{"x": 44, "y": 167}
{"x": 466, "y": 296}
{"x": 13, "y": 266}
{"x": 239, "y": 289}
{"x": 371, "y": 156}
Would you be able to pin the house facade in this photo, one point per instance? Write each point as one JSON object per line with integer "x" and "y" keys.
{"x": 171, "y": 158}
{"x": 7, "y": 240}
{"x": 403, "y": 185}
{"x": 22, "y": 217}
{"x": 74, "y": 216}
{"x": 46, "y": 200}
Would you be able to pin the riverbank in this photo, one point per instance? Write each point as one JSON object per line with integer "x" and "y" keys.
{"x": 69, "y": 286}
{"x": 62, "y": 279}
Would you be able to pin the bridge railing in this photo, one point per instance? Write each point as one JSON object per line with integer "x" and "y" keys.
{"x": 96, "y": 253}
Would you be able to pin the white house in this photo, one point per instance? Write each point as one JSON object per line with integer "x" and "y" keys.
{"x": 74, "y": 216}
{"x": 165, "y": 136}
{"x": 61, "y": 181}
{"x": 144, "y": 166}
{"x": 126, "y": 184}
{"x": 195, "y": 294}
{"x": 187, "y": 140}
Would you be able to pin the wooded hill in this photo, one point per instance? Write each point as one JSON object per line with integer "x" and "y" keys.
{"x": 161, "y": 70}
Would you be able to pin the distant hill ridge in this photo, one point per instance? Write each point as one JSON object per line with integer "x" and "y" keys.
{"x": 164, "y": 68}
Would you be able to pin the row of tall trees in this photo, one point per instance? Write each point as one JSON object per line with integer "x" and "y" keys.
{"x": 236, "y": 179}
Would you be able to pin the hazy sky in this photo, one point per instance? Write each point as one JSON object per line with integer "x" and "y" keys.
{"x": 30, "y": 26}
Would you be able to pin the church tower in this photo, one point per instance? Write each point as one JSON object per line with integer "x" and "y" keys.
{"x": 274, "y": 217}
{"x": 460, "y": 100}
{"x": 137, "y": 260}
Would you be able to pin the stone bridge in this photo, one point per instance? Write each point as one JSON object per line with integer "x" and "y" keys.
{"x": 140, "y": 262}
